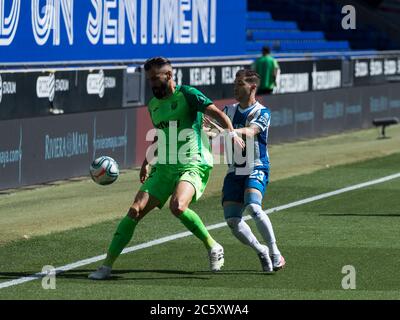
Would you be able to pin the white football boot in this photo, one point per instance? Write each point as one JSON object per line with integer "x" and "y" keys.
{"x": 216, "y": 256}
{"x": 266, "y": 262}
{"x": 101, "y": 273}
{"x": 278, "y": 261}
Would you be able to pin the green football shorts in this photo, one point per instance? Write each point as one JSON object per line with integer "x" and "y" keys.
{"x": 164, "y": 178}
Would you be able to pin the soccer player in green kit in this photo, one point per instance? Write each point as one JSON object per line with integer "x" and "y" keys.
{"x": 268, "y": 69}
{"x": 182, "y": 170}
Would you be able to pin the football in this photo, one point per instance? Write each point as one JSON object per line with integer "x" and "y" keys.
{"x": 104, "y": 170}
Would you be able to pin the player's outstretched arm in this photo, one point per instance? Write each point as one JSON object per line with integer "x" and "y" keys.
{"x": 250, "y": 131}
{"x": 211, "y": 128}
{"x": 216, "y": 114}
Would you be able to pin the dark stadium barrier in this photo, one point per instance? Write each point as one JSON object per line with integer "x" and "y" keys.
{"x": 309, "y": 75}
{"x": 214, "y": 79}
{"x": 43, "y": 149}
{"x": 375, "y": 70}
{"x": 322, "y": 74}
{"x": 297, "y": 75}
{"x": 25, "y": 93}
{"x": 33, "y": 94}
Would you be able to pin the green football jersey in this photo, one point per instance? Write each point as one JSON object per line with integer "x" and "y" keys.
{"x": 179, "y": 120}
{"x": 265, "y": 67}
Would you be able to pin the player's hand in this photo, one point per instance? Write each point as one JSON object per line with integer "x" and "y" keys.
{"x": 144, "y": 172}
{"x": 208, "y": 124}
{"x": 239, "y": 142}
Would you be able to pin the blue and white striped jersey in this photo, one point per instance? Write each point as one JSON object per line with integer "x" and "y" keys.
{"x": 255, "y": 114}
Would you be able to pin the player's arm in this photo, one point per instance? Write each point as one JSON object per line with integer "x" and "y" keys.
{"x": 210, "y": 128}
{"x": 259, "y": 124}
{"x": 215, "y": 113}
{"x": 150, "y": 156}
{"x": 250, "y": 131}
{"x": 201, "y": 103}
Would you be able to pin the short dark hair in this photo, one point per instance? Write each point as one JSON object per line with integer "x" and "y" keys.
{"x": 266, "y": 50}
{"x": 156, "y": 62}
{"x": 249, "y": 76}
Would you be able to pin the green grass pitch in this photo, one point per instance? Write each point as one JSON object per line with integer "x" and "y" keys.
{"x": 358, "y": 228}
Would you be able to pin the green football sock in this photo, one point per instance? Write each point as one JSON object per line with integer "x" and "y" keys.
{"x": 121, "y": 238}
{"x": 192, "y": 221}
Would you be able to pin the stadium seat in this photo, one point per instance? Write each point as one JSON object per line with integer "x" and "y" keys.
{"x": 257, "y": 46}
{"x": 285, "y": 36}
{"x": 258, "y": 15}
{"x": 315, "y": 46}
{"x": 271, "y": 25}
{"x": 281, "y": 35}
{"x": 326, "y": 16}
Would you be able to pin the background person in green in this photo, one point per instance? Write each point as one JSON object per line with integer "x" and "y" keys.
{"x": 173, "y": 110}
{"x": 268, "y": 69}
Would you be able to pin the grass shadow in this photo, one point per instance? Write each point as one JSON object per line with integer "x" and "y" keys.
{"x": 123, "y": 274}
{"x": 16, "y": 275}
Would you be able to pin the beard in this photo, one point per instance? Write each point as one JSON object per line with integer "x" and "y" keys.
{"x": 160, "y": 91}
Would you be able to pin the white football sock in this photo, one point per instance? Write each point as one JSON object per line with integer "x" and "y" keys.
{"x": 241, "y": 230}
{"x": 264, "y": 226}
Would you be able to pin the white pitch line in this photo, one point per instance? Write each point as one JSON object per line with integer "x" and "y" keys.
{"x": 187, "y": 233}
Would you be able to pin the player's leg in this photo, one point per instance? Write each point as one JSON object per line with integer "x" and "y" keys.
{"x": 179, "y": 206}
{"x": 255, "y": 188}
{"x": 239, "y": 228}
{"x": 232, "y": 202}
{"x": 142, "y": 204}
{"x": 190, "y": 187}
{"x": 253, "y": 207}
{"x": 153, "y": 193}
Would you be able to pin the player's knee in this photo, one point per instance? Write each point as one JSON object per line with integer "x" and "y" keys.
{"x": 134, "y": 212}
{"x": 232, "y": 212}
{"x": 233, "y": 222}
{"x": 177, "y": 207}
{"x": 254, "y": 210}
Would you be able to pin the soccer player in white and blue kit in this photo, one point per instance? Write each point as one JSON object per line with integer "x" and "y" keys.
{"x": 246, "y": 181}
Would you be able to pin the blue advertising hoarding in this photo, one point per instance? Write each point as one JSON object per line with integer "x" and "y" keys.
{"x": 98, "y": 30}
